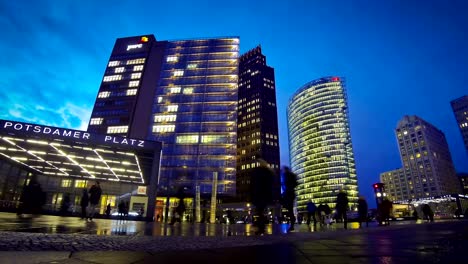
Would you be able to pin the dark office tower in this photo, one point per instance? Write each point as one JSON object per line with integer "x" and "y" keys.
{"x": 320, "y": 144}
{"x": 194, "y": 115}
{"x": 123, "y": 104}
{"x": 460, "y": 109}
{"x": 257, "y": 120}
{"x": 427, "y": 164}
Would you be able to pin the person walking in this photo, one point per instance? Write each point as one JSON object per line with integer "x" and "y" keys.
{"x": 94, "y": 197}
{"x": 311, "y": 211}
{"x": 289, "y": 195}
{"x": 427, "y": 212}
{"x": 84, "y": 203}
{"x": 261, "y": 192}
{"x": 342, "y": 207}
{"x": 108, "y": 210}
{"x": 362, "y": 211}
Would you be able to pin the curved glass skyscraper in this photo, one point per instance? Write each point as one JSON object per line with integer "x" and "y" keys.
{"x": 320, "y": 145}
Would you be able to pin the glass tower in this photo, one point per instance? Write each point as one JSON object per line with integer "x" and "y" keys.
{"x": 320, "y": 145}
{"x": 194, "y": 114}
{"x": 257, "y": 123}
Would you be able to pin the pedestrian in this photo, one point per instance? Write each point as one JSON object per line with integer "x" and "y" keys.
{"x": 427, "y": 212}
{"x": 385, "y": 212}
{"x": 261, "y": 192}
{"x": 121, "y": 209}
{"x": 342, "y": 208}
{"x": 32, "y": 198}
{"x": 125, "y": 209}
{"x": 94, "y": 197}
{"x": 65, "y": 205}
{"x": 84, "y": 203}
{"x": 362, "y": 211}
{"x": 289, "y": 195}
{"x": 108, "y": 210}
{"x": 311, "y": 211}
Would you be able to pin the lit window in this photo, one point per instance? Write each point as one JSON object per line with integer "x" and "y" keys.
{"x": 66, "y": 183}
{"x": 163, "y": 128}
{"x": 213, "y": 139}
{"x": 131, "y": 92}
{"x": 192, "y": 66}
{"x": 117, "y": 129}
{"x": 104, "y": 94}
{"x": 172, "y": 108}
{"x": 178, "y": 73}
{"x": 171, "y": 59}
{"x": 174, "y": 90}
{"x": 96, "y": 121}
{"x": 119, "y": 69}
{"x": 160, "y": 99}
{"x": 138, "y": 68}
{"x": 136, "y": 75}
{"x": 133, "y": 83}
{"x": 164, "y": 118}
{"x": 136, "y": 61}
{"x": 114, "y": 63}
{"x": 112, "y": 78}
{"x": 187, "y": 139}
{"x": 188, "y": 91}
{"x": 81, "y": 183}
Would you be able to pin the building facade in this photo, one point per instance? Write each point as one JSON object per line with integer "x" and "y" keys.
{"x": 257, "y": 121}
{"x": 66, "y": 162}
{"x": 182, "y": 93}
{"x": 320, "y": 146}
{"x": 194, "y": 114}
{"x": 460, "y": 109}
{"x": 427, "y": 164}
{"x": 125, "y": 98}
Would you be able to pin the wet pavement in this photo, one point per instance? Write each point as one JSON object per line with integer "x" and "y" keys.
{"x": 106, "y": 241}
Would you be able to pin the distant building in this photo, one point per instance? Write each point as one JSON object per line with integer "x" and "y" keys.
{"x": 257, "y": 120}
{"x": 460, "y": 109}
{"x": 427, "y": 164}
{"x": 463, "y": 177}
{"x": 320, "y": 144}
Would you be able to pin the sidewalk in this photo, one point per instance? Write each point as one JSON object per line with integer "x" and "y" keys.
{"x": 444, "y": 242}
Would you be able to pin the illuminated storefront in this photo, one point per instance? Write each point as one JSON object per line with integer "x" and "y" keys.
{"x": 320, "y": 145}
{"x": 67, "y": 161}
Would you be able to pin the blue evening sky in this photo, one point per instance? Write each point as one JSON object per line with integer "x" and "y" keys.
{"x": 398, "y": 57}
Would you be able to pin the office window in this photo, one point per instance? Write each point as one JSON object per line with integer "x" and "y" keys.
{"x": 163, "y": 128}
{"x": 133, "y": 83}
{"x": 192, "y": 66}
{"x": 178, "y": 73}
{"x": 131, "y": 92}
{"x": 119, "y": 70}
{"x": 112, "y": 78}
{"x": 188, "y": 90}
{"x": 164, "y": 118}
{"x": 136, "y": 75}
{"x": 187, "y": 139}
{"x": 172, "y": 108}
{"x": 117, "y": 129}
{"x": 114, "y": 63}
{"x": 136, "y": 61}
{"x": 138, "y": 68}
{"x": 174, "y": 90}
{"x": 96, "y": 121}
{"x": 171, "y": 59}
{"x": 104, "y": 94}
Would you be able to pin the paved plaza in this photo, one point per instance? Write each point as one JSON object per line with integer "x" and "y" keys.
{"x": 52, "y": 239}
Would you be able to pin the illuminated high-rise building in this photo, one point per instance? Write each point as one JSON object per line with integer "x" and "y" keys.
{"x": 320, "y": 145}
{"x": 125, "y": 98}
{"x": 257, "y": 120}
{"x": 460, "y": 109}
{"x": 427, "y": 164}
{"x": 182, "y": 93}
{"x": 194, "y": 114}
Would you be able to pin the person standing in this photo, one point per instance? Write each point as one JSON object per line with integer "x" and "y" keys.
{"x": 261, "y": 192}
{"x": 94, "y": 197}
{"x": 342, "y": 207}
{"x": 108, "y": 210}
{"x": 362, "y": 211}
{"x": 311, "y": 211}
{"x": 84, "y": 203}
{"x": 289, "y": 195}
